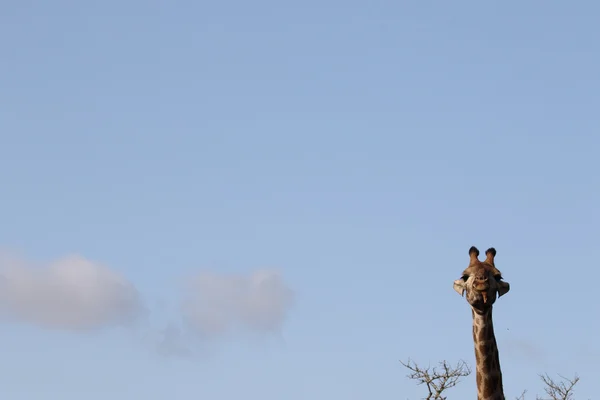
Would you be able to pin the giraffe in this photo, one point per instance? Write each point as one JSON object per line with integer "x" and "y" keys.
{"x": 482, "y": 282}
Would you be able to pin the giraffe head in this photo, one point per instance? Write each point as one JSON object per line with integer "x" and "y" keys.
{"x": 481, "y": 281}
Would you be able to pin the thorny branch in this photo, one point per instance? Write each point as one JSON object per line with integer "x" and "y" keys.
{"x": 437, "y": 380}
{"x": 522, "y": 396}
{"x": 562, "y": 390}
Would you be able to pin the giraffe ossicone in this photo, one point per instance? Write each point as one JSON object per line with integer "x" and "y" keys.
{"x": 481, "y": 284}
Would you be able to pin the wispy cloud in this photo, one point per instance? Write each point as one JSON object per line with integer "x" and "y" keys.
{"x": 216, "y": 305}
{"x": 74, "y": 293}
{"x": 173, "y": 343}
{"x": 71, "y": 293}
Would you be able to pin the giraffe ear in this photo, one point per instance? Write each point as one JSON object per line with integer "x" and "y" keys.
{"x": 503, "y": 288}
{"x": 459, "y": 286}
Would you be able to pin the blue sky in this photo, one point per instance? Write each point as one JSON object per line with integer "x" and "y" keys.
{"x": 289, "y": 190}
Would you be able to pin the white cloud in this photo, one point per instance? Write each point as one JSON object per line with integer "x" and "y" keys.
{"x": 215, "y": 305}
{"x": 74, "y": 293}
{"x": 70, "y": 293}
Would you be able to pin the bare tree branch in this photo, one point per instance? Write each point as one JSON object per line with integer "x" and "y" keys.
{"x": 445, "y": 376}
{"x": 562, "y": 390}
{"x": 522, "y": 396}
{"x": 437, "y": 380}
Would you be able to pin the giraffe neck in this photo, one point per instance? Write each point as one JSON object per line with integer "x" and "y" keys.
{"x": 488, "y": 373}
